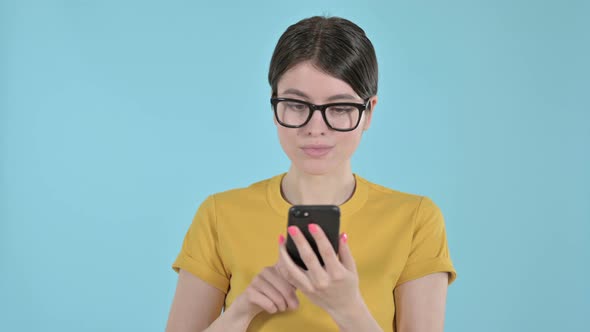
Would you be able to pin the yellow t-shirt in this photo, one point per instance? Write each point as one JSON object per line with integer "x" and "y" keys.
{"x": 394, "y": 237}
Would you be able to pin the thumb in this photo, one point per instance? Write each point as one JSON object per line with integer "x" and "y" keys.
{"x": 345, "y": 254}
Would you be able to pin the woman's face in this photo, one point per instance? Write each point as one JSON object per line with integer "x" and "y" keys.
{"x": 315, "y": 148}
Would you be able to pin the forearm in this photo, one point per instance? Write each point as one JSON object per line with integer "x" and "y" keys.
{"x": 230, "y": 320}
{"x": 356, "y": 318}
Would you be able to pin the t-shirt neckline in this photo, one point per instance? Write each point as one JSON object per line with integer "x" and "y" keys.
{"x": 281, "y": 206}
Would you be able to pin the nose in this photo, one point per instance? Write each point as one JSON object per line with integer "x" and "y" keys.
{"x": 316, "y": 125}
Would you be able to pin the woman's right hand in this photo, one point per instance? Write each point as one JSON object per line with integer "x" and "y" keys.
{"x": 269, "y": 292}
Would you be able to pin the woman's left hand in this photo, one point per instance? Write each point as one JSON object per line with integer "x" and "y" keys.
{"x": 333, "y": 287}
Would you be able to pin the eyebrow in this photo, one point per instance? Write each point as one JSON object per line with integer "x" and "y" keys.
{"x": 331, "y": 98}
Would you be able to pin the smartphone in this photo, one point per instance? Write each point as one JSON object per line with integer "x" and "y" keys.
{"x": 325, "y": 216}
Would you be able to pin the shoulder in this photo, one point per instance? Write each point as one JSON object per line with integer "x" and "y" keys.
{"x": 256, "y": 191}
{"x": 377, "y": 192}
{"x": 390, "y": 198}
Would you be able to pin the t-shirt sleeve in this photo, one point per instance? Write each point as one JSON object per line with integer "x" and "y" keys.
{"x": 200, "y": 253}
{"x": 429, "y": 252}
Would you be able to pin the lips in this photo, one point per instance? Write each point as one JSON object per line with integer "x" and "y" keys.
{"x": 316, "y": 150}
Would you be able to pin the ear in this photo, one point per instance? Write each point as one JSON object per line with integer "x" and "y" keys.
{"x": 272, "y": 112}
{"x": 369, "y": 113}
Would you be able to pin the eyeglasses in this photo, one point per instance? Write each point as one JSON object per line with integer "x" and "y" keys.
{"x": 293, "y": 113}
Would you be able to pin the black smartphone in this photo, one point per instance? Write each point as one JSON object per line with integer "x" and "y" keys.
{"x": 325, "y": 216}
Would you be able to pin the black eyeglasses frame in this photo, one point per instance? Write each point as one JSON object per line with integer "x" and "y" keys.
{"x": 322, "y": 108}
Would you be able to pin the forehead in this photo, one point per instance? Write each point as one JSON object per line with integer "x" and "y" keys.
{"x": 312, "y": 82}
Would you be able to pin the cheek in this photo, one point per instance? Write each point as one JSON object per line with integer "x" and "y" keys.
{"x": 286, "y": 138}
{"x": 348, "y": 142}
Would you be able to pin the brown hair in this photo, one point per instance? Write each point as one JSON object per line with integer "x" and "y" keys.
{"x": 335, "y": 46}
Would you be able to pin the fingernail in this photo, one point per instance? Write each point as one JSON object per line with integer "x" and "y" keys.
{"x": 281, "y": 239}
{"x": 344, "y": 237}
{"x": 313, "y": 228}
{"x": 292, "y": 230}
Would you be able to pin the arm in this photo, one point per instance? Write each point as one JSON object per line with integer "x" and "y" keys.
{"x": 197, "y": 307}
{"x": 188, "y": 312}
{"x": 357, "y": 318}
{"x": 420, "y": 304}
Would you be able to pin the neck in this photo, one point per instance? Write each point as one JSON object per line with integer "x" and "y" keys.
{"x": 301, "y": 188}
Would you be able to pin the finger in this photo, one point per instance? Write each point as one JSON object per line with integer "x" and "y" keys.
{"x": 281, "y": 279}
{"x": 281, "y": 270}
{"x": 262, "y": 301}
{"x": 345, "y": 254}
{"x": 292, "y": 284}
{"x": 282, "y": 286}
{"x": 281, "y": 267}
{"x": 315, "y": 270}
{"x": 265, "y": 287}
{"x": 292, "y": 272}
{"x": 325, "y": 248}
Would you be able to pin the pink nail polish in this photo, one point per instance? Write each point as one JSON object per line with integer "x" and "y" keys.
{"x": 281, "y": 239}
{"x": 313, "y": 228}
{"x": 344, "y": 237}
{"x": 293, "y": 230}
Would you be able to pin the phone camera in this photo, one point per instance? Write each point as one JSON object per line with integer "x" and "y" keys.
{"x": 298, "y": 213}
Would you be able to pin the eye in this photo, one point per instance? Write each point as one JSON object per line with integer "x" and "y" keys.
{"x": 296, "y": 106}
{"x": 342, "y": 109}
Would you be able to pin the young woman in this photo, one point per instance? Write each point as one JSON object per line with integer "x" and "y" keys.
{"x": 393, "y": 266}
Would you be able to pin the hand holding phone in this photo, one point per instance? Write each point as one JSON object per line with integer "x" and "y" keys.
{"x": 325, "y": 216}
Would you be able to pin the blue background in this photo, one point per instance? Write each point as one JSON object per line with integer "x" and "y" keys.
{"x": 117, "y": 118}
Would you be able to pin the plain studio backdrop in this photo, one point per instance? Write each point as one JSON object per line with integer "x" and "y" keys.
{"x": 117, "y": 118}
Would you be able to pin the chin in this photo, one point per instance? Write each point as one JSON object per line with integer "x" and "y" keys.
{"x": 316, "y": 167}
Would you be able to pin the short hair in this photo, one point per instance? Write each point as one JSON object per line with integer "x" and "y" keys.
{"x": 335, "y": 46}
